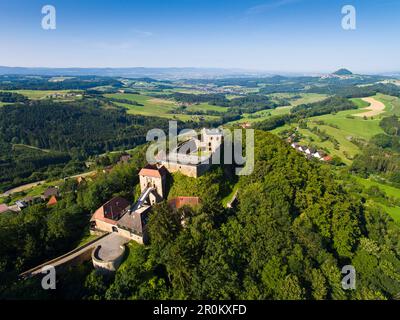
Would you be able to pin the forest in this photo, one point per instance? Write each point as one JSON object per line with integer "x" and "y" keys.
{"x": 292, "y": 232}
{"x": 10, "y": 82}
{"x": 61, "y": 132}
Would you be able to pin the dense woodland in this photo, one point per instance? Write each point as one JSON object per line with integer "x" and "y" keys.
{"x": 10, "y": 82}
{"x": 12, "y": 97}
{"x": 63, "y": 132}
{"x": 293, "y": 230}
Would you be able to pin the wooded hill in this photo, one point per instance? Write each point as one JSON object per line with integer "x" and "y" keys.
{"x": 292, "y": 232}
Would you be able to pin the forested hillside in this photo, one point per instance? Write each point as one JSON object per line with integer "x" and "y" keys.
{"x": 65, "y": 131}
{"x": 292, "y": 232}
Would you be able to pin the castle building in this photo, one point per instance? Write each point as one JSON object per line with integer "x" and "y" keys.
{"x": 119, "y": 216}
{"x": 193, "y": 157}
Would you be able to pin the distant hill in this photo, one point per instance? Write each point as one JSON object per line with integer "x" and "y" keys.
{"x": 343, "y": 72}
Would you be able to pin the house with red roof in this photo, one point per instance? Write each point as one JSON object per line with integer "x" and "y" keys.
{"x": 52, "y": 202}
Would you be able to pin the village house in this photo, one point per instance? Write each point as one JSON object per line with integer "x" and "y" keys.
{"x": 123, "y": 159}
{"x": 52, "y": 202}
{"x": 311, "y": 153}
{"x": 49, "y": 192}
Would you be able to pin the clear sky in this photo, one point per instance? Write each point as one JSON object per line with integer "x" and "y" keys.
{"x": 269, "y": 35}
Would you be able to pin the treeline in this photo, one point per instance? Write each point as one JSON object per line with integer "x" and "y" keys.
{"x": 68, "y": 133}
{"x": 382, "y": 154}
{"x": 80, "y": 128}
{"x": 20, "y": 165}
{"x": 126, "y": 101}
{"x": 189, "y": 98}
{"x": 247, "y": 104}
{"x": 45, "y": 83}
{"x": 12, "y": 97}
{"x": 355, "y": 91}
{"x": 329, "y": 105}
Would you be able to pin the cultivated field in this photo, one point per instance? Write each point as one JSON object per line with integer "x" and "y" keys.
{"x": 375, "y": 108}
{"x": 40, "y": 94}
{"x": 346, "y": 125}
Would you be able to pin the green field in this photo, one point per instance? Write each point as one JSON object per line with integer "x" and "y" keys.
{"x": 156, "y": 107}
{"x": 390, "y": 191}
{"x": 343, "y": 126}
{"x": 264, "y": 114}
{"x": 304, "y": 97}
{"x": 392, "y": 104}
{"x": 40, "y": 94}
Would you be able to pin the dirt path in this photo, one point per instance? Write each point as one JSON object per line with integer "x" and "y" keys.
{"x": 376, "y": 107}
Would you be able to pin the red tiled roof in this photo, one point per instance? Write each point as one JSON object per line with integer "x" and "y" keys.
{"x": 153, "y": 171}
{"x": 328, "y": 158}
{"x": 3, "y": 208}
{"x": 112, "y": 210}
{"x": 52, "y": 201}
{"x": 179, "y": 202}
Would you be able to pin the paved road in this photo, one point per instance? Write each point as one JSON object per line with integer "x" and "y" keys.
{"x": 34, "y": 184}
{"x": 22, "y": 188}
{"x": 105, "y": 241}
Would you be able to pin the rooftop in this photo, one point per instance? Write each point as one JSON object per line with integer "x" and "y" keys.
{"x": 153, "y": 171}
{"x": 112, "y": 210}
{"x": 3, "y": 208}
{"x": 135, "y": 221}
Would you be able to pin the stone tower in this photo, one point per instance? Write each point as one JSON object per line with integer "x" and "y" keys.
{"x": 153, "y": 177}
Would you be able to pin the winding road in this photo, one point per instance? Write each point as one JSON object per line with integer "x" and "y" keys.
{"x": 108, "y": 241}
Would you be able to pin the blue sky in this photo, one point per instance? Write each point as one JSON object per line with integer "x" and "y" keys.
{"x": 269, "y": 35}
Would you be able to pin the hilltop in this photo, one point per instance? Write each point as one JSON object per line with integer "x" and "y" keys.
{"x": 343, "y": 72}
